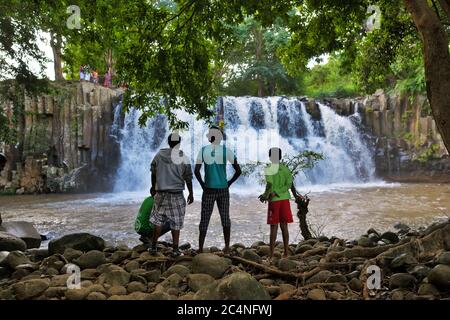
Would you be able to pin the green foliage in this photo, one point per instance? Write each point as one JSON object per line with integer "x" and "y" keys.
{"x": 429, "y": 153}
{"x": 330, "y": 80}
{"x": 408, "y": 69}
{"x": 296, "y": 163}
{"x": 252, "y": 66}
{"x": 181, "y": 54}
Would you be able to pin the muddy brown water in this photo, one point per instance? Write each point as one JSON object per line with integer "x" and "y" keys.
{"x": 346, "y": 212}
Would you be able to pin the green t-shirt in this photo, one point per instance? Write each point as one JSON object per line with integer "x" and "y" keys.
{"x": 142, "y": 223}
{"x": 215, "y": 158}
{"x": 279, "y": 179}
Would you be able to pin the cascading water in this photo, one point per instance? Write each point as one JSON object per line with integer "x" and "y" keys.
{"x": 253, "y": 125}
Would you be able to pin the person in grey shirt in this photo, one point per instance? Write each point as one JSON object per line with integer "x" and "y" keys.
{"x": 171, "y": 170}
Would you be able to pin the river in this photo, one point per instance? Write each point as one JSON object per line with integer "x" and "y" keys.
{"x": 342, "y": 210}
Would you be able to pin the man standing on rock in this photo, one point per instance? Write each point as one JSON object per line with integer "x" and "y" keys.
{"x": 279, "y": 181}
{"x": 171, "y": 169}
{"x": 216, "y": 186}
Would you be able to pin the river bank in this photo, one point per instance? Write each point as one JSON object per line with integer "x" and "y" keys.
{"x": 413, "y": 264}
{"x": 343, "y": 210}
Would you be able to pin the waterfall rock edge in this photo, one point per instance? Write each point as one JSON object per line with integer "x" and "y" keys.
{"x": 78, "y": 140}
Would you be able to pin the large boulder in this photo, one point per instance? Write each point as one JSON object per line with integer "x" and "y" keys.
{"x": 251, "y": 255}
{"x": 77, "y": 241}
{"x": 91, "y": 259}
{"x": 316, "y": 294}
{"x": 210, "y": 264}
{"x": 402, "y": 281}
{"x": 197, "y": 281}
{"x": 15, "y": 259}
{"x": 287, "y": 264}
{"x": 179, "y": 269}
{"x": 390, "y": 236}
{"x": 440, "y": 276}
{"x": 9, "y": 242}
{"x": 30, "y": 288}
{"x": 444, "y": 258}
{"x": 23, "y": 230}
{"x": 116, "y": 278}
{"x": 237, "y": 286}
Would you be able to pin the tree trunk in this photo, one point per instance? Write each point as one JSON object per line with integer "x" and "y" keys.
{"x": 445, "y": 4}
{"x": 437, "y": 63}
{"x": 109, "y": 59}
{"x": 56, "y": 44}
{"x": 259, "y": 46}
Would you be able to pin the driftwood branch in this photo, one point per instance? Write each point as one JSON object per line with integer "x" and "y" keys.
{"x": 272, "y": 271}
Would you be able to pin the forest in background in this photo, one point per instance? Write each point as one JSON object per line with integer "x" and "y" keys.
{"x": 187, "y": 52}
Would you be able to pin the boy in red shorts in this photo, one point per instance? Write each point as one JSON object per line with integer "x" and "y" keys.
{"x": 278, "y": 183}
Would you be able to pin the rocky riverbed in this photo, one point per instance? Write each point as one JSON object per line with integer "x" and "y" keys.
{"x": 413, "y": 264}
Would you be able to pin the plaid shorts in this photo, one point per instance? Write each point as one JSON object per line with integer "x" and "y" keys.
{"x": 169, "y": 207}
{"x": 222, "y": 196}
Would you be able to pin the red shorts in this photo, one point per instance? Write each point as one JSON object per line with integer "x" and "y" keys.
{"x": 279, "y": 212}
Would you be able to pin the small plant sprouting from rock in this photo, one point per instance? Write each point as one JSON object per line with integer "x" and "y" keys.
{"x": 296, "y": 163}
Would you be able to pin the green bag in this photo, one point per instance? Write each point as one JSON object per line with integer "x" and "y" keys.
{"x": 142, "y": 224}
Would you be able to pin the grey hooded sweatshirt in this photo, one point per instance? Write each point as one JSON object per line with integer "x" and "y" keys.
{"x": 170, "y": 175}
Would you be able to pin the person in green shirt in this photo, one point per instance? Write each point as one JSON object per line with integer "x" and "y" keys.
{"x": 278, "y": 183}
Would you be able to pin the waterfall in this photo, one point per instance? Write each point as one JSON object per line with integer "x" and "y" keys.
{"x": 253, "y": 125}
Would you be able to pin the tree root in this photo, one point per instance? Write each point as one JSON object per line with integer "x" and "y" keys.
{"x": 420, "y": 248}
{"x": 309, "y": 253}
{"x": 275, "y": 272}
{"x": 358, "y": 252}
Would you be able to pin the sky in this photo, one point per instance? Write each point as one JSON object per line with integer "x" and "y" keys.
{"x": 47, "y": 49}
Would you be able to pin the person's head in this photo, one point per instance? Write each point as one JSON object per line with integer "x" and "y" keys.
{"x": 215, "y": 135}
{"x": 275, "y": 155}
{"x": 174, "y": 139}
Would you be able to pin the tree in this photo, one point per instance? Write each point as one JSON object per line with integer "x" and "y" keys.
{"x": 435, "y": 40}
{"x": 326, "y": 26}
{"x": 253, "y": 64}
{"x": 18, "y": 34}
{"x": 171, "y": 53}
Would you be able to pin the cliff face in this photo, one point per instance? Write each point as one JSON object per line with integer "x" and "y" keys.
{"x": 408, "y": 146}
{"x": 64, "y": 142}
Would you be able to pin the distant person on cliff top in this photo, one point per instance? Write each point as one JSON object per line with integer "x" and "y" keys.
{"x": 107, "y": 82}
{"x": 278, "y": 182}
{"x": 95, "y": 76}
{"x": 87, "y": 73}
{"x": 81, "y": 72}
{"x": 216, "y": 186}
{"x": 171, "y": 169}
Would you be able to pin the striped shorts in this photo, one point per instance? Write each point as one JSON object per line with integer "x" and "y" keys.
{"x": 169, "y": 207}
{"x": 209, "y": 197}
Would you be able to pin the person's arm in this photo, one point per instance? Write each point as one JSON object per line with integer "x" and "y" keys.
{"x": 267, "y": 195}
{"x": 190, "y": 198}
{"x": 188, "y": 179}
{"x": 153, "y": 187}
{"x": 198, "y": 175}
{"x": 237, "y": 172}
{"x": 153, "y": 177}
